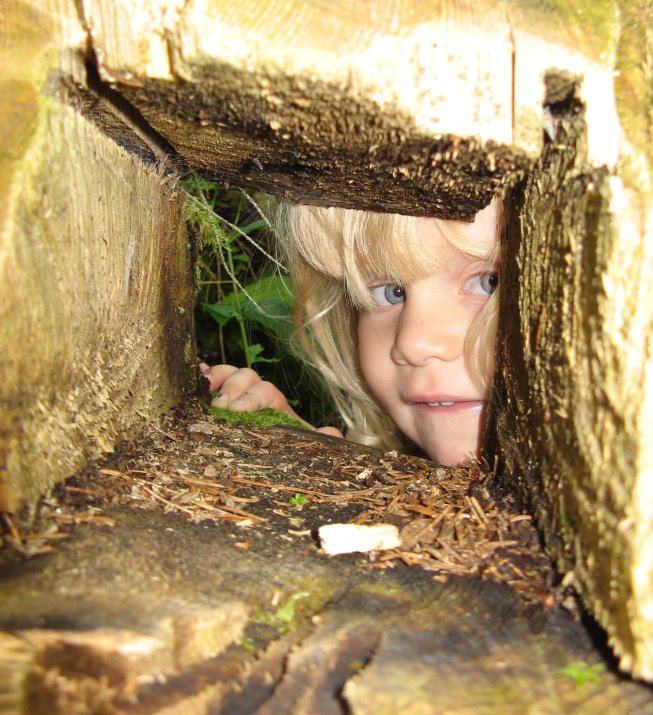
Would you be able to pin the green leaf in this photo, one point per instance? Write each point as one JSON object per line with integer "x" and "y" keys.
{"x": 272, "y": 287}
{"x": 269, "y": 304}
{"x": 272, "y": 305}
{"x": 222, "y": 312}
{"x": 258, "y": 225}
{"x": 582, "y": 673}
{"x": 196, "y": 184}
{"x": 274, "y": 315}
{"x": 248, "y": 644}
{"x": 256, "y": 354}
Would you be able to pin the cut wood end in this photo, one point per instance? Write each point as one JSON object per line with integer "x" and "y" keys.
{"x": 349, "y": 538}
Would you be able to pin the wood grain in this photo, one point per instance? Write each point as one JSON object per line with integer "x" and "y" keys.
{"x": 96, "y": 301}
{"x": 573, "y": 390}
{"x": 165, "y": 612}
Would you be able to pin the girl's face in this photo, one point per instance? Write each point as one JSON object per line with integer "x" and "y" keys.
{"x": 411, "y": 344}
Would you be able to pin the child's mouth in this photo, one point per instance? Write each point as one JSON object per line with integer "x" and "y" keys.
{"x": 453, "y": 405}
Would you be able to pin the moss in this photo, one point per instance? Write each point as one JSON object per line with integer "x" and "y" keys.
{"x": 380, "y": 587}
{"x": 582, "y": 673}
{"x": 307, "y": 598}
{"x": 262, "y": 418}
{"x": 189, "y": 350}
{"x": 629, "y": 170}
{"x": 287, "y": 615}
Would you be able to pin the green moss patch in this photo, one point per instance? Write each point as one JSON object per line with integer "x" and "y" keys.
{"x": 261, "y": 419}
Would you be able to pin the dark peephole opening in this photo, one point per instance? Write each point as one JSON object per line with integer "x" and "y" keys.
{"x": 243, "y": 315}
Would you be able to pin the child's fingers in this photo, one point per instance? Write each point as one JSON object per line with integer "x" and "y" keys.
{"x": 204, "y": 368}
{"x": 263, "y": 395}
{"x": 241, "y": 395}
{"x": 232, "y": 384}
{"x": 218, "y": 374}
{"x": 242, "y": 390}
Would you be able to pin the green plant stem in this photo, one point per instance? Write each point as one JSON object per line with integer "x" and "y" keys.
{"x": 239, "y": 313}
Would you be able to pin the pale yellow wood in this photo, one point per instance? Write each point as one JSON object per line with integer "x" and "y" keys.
{"x": 461, "y": 68}
{"x": 419, "y": 107}
{"x": 394, "y": 53}
{"x": 574, "y": 390}
{"x": 310, "y": 99}
{"x": 95, "y": 279}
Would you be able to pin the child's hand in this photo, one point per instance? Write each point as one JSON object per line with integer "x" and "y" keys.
{"x": 242, "y": 390}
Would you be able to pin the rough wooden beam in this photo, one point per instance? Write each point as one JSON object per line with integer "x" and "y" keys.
{"x": 244, "y": 613}
{"x": 574, "y": 389}
{"x": 322, "y": 103}
{"x": 413, "y": 107}
{"x": 430, "y": 109}
{"x": 95, "y": 280}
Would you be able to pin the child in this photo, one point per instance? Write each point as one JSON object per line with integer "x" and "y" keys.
{"x": 398, "y": 315}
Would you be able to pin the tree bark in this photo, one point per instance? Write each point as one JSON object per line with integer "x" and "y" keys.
{"x": 573, "y": 390}
{"x": 95, "y": 277}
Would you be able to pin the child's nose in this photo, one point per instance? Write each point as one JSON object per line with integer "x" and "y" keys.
{"x": 422, "y": 334}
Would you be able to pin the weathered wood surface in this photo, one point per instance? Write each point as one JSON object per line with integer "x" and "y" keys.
{"x": 398, "y": 106}
{"x": 429, "y": 109}
{"x": 574, "y": 389}
{"x": 416, "y": 107}
{"x": 206, "y": 610}
{"x": 96, "y": 287}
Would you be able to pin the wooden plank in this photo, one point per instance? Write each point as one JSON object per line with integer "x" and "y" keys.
{"x": 373, "y": 105}
{"x": 179, "y": 609}
{"x": 573, "y": 390}
{"x": 95, "y": 278}
{"x": 413, "y": 106}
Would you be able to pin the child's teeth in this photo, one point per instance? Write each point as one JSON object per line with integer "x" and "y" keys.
{"x": 440, "y": 404}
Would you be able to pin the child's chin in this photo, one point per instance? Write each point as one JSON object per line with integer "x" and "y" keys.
{"x": 452, "y": 455}
{"x": 452, "y": 441}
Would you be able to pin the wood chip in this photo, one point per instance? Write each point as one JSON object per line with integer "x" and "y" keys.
{"x": 350, "y": 538}
{"x": 203, "y": 428}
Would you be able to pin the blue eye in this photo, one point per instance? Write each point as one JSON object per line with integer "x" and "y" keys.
{"x": 388, "y": 294}
{"x": 483, "y": 284}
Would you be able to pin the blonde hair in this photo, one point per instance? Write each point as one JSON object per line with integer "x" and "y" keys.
{"x": 330, "y": 254}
